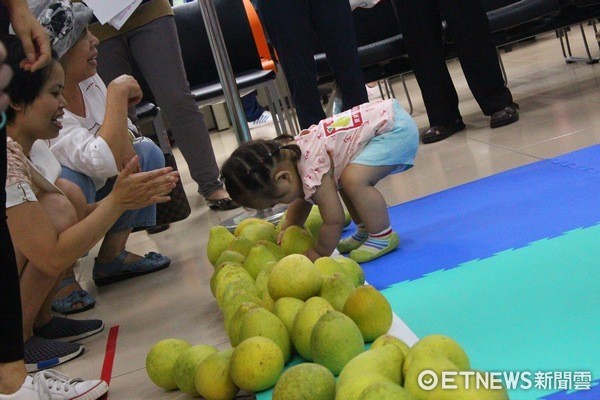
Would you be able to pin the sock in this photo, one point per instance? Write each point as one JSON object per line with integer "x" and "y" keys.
{"x": 354, "y": 241}
{"x": 376, "y": 245}
{"x": 379, "y": 240}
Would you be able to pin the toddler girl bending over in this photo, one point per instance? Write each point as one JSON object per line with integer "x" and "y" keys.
{"x": 349, "y": 152}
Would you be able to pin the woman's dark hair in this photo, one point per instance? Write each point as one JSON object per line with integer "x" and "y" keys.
{"x": 25, "y": 86}
{"x": 248, "y": 171}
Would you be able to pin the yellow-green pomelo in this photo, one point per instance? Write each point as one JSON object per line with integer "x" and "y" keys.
{"x": 160, "y": 361}
{"x": 184, "y": 370}
{"x": 281, "y": 222}
{"x": 294, "y": 276}
{"x": 387, "y": 339}
{"x": 385, "y": 391}
{"x": 256, "y": 364}
{"x": 352, "y": 269}
{"x": 370, "y": 310}
{"x": 469, "y": 391}
{"x": 386, "y": 361}
{"x": 258, "y": 256}
{"x": 286, "y": 309}
{"x": 256, "y": 232}
{"x": 239, "y": 229}
{"x": 267, "y": 302}
{"x": 260, "y": 322}
{"x": 305, "y": 320}
{"x": 442, "y": 345}
{"x": 335, "y": 340}
{"x": 234, "y": 322}
{"x": 306, "y": 381}
{"x": 230, "y": 257}
{"x": 262, "y": 279}
{"x": 215, "y": 275}
{"x": 351, "y": 390}
{"x": 213, "y": 380}
{"x": 233, "y": 299}
{"x": 218, "y": 240}
{"x": 347, "y": 218}
{"x": 329, "y": 266}
{"x": 241, "y": 244}
{"x": 296, "y": 240}
{"x": 336, "y": 288}
{"x": 274, "y": 248}
{"x": 222, "y": 289}
{"x": 435, "y": 364}
{"x": 227, "y": 273}
{"x": 313, "y": 222}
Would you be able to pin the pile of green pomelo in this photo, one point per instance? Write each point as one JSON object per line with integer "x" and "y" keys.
{"x": 307, "y": 330}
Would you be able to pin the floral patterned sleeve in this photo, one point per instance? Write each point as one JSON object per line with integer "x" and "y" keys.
{"x": 18, "y": 178}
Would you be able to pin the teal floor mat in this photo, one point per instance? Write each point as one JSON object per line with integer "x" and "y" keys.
{"x": 533, "y": 309}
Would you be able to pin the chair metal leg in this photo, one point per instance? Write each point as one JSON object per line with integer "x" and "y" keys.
{"x": 504, "y": 76}
{"x": 411, "y": 109}
{"x": 566, "y": 46}
{"x": 275, "y": 111}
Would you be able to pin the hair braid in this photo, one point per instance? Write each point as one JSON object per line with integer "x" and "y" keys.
{"x": 249, "y": 169}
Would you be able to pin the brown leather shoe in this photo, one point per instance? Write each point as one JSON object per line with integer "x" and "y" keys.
{"x": 504, "y": 117}
{"x": 439, "y": 132}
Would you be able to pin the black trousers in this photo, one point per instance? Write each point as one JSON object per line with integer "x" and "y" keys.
{"x": 468, "y": 25}
{"x": 11, "y": 323}
{"x": 289, "y": 24}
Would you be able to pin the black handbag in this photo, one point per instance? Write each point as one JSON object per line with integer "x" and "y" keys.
{"x": 178, "y": 208}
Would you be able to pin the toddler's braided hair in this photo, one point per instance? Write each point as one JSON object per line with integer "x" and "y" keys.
{"x": 248, "y": 172}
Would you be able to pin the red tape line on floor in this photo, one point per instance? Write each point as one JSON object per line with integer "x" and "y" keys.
{"x": 109, "y": 355}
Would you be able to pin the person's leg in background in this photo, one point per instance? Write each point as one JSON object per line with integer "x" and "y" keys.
{"x": 172, "y": 94}
{"x": 422, "y": 31}
{"x": 288, "y": 24}
{"x": 334, "y": 25}
{"x": 470, "y": 30}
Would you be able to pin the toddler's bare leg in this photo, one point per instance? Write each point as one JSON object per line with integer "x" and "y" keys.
{"x": 374, "y": 237}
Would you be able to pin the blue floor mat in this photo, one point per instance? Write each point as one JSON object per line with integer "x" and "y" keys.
{"x": 500, "y": 212}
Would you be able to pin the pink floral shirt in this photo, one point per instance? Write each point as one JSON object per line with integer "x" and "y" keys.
{"x": 341, "y": 137}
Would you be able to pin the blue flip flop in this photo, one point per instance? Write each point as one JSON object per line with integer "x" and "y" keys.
{"x": 118, "y": 270}
{"x": 66, "y": 305}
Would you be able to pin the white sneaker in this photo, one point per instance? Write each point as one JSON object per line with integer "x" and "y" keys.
{"x": 53, "y": 385}
{"x": 264, "y": 119}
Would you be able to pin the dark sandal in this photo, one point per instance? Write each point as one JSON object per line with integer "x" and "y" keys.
{"x": 223, "y": 204}
{"x": 66, "y": 305}
{"x": 439, "y": 132}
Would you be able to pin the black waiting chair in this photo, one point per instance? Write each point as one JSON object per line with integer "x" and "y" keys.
{"x": 200, "y": 67}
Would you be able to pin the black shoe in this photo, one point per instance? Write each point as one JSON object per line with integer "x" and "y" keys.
{"x": 157, "y": 229}
{"x": 505, "y": 117}
{"x": 439, "y": 132}
{"x": 222, "y": 204}
{"x": 69, "y": 330}
{"x": 41, "y": 353}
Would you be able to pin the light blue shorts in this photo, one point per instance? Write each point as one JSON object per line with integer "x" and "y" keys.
{"x": 396, "y": 147}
